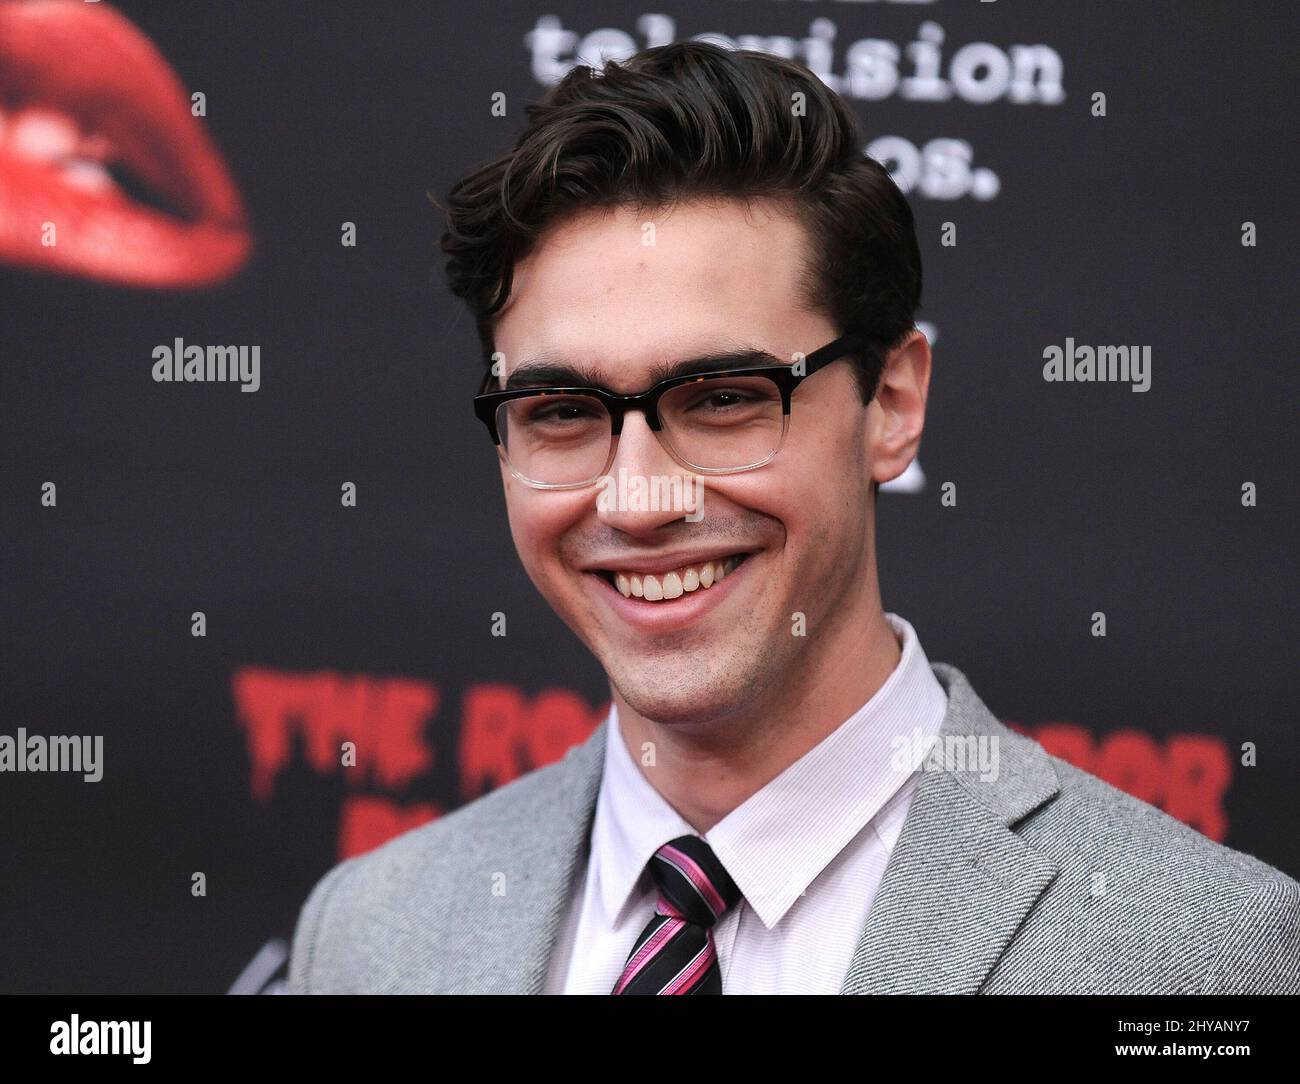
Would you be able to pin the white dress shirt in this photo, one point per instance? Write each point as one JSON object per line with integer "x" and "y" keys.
{"x": 807, "y": 850}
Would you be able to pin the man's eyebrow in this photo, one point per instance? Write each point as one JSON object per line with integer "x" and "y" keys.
{"x": 550, "y": 374}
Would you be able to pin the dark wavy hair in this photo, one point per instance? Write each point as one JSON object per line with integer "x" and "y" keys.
{"x": 689, "y": 120}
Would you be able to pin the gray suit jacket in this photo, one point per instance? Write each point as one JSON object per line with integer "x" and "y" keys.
{"x": 1044, "y": 880}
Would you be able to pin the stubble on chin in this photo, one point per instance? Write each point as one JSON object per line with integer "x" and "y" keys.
{"x": 690, "y": 687}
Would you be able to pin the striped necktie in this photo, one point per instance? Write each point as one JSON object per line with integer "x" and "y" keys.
{"x": 675, "y": 953}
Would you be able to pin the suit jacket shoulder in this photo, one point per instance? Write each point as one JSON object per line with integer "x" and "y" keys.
{"x": 450, "y": 905}
{"x": 1145, "y": 902}
{"x": 1046, "y": 879}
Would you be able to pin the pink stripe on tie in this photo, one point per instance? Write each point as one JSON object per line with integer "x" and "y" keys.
{"x": 692, "y": 871}
{"x": 687, "y": 977}
{"x": 648, "y": 951}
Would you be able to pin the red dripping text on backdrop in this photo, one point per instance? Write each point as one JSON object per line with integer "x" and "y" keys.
{"x": 504, "y": 733}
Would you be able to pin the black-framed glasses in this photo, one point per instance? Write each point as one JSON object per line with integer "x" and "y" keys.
{"x": 710, "y": 423}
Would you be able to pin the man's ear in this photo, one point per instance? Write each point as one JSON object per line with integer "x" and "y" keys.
{"x": 899, "y": 416}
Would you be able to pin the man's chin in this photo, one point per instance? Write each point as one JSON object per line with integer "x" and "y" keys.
{"x": 670, "y": 702}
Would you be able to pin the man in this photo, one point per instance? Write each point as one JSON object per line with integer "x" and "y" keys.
{"x": 770, "y": 805}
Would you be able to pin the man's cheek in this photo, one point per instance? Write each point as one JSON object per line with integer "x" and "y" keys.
{"x": 536, "y": 571}
{"x": 551, "y": 579}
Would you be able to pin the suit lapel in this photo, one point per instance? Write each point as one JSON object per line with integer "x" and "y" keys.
{"x": 960, "y": 881}
{"x": 558, "y": 861}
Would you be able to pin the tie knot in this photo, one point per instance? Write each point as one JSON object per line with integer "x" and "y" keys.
{"x": 693, "y": 881}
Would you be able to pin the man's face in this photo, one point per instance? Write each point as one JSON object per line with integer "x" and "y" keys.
{"x": 717, "y": 277}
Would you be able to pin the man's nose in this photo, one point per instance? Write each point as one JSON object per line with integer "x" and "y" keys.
{"x": 639, "y": 460}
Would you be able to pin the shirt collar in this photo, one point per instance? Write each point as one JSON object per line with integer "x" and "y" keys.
{"x": 776, "y": 842}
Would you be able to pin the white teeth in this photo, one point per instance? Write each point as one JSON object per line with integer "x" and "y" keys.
{"x": 43, "y": 134}
{"x": 87, "y": 174}
{"x": 671, "y": 585}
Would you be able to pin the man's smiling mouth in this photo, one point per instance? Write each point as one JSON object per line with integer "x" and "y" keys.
{"x": 672, "y": 584}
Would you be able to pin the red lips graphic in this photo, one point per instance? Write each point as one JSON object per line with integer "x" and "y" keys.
{"x": 86, "y": 101}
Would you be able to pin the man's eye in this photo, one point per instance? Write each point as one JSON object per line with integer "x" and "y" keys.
{"x": 560, "y": 411}
{"x": 722, "y": 401}
{"x": 723, "y": 398}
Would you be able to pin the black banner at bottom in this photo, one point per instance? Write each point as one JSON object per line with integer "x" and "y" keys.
{"x": 147, "y": 1032}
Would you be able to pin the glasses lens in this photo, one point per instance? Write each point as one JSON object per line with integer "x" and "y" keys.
{"x": 555, "y": 439}
{"x": 724, "y": 422}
